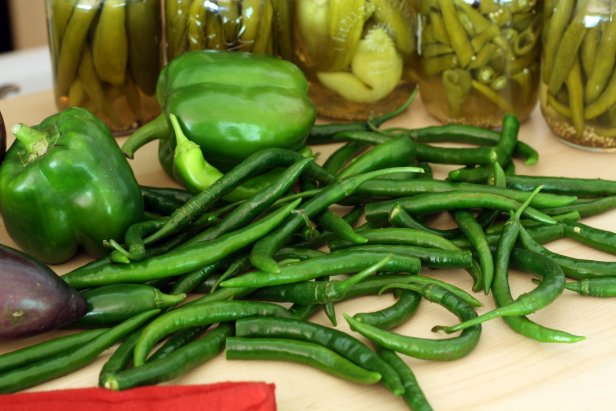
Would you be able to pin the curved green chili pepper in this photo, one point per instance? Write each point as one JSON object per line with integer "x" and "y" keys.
{"x": 427, "y": 349}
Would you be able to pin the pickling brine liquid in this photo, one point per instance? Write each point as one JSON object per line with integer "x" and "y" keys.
{"x": 359, "y": 56}
{"x": 106, "y": 57}
{"x": 578, "y": 78}
{"x": 480, "y": 59}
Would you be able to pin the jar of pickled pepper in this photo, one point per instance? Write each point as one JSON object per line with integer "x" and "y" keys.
{"x": 480, "y": 59}
{"x": 255, "y": 26}
{"x": 578, "y": 77}
{"x": 359, "y": 56}
{"x": 106, "y": 57}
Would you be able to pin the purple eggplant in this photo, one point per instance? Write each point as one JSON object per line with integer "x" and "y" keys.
{"x": 33, "y": 299}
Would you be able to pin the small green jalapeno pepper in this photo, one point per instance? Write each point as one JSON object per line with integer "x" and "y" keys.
{"x": 112, "y": 304}
{"x": 65, "y": 183}
{"x": 231, "y": 104}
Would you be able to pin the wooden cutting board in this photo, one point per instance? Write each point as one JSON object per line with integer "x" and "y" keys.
{"x": 505, "y": 372}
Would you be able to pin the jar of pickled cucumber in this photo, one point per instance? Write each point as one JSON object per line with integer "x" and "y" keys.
{"x": 255, "y": 26}
{"x": 360, "y": 56}
{"x": 480, "y": 59}
{"x": 106, "y": 57}
{"x": 578, "y": 75}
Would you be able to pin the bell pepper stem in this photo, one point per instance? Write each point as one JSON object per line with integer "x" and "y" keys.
{"x": 156, "y": 129}
{"x": 34, "y": 141}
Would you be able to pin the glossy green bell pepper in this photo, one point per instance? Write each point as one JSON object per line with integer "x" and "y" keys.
{"x": 65, "y": 184}
{"x": 231, "y": 104}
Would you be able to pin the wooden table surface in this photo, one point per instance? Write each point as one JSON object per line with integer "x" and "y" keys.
{"x": 506, "y": 371}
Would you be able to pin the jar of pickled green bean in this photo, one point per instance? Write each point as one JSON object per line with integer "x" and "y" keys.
{"x": 480, "y": 59}
{"x": 578, "y": 75}
{"x": 254, "y": 26}
{"x": 106, "y": 57}
{"x": 359, "y": 55}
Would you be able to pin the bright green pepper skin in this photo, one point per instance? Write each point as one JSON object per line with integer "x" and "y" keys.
{"x": 230, "y": 123}
{"x": 80, "y": 192}
{"x": 231, "y": 104}
{"x": 231, "y": 68}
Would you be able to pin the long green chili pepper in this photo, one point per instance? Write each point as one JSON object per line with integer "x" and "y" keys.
{"x": 413, "y": 395}
{"x": 188, "y": 282}
{"x": 586, "y": 208}
{"x": 341, "y": 343}
{"x": 527, "y": 261}
{"x": 339, "y": 262}
{"x": 398, "y": 236}
{"x": 163, "y": 201}
{"x": 199, "y": 315}
{"x": 542, "y": 234}
{"x": 576, "y": 268}
{"x": 46, "y": 349}
{"x": 581, "y": 187}
{"x": 301, "y": 352}
{"x": 397, "y": 152}
{"x": 594, "y": 287}
{"x": 381, "y": 188}
{"x": 475, "y": 234}
{"x": 434, "y": 202}
{"x": 121, "y": 357}
{"x": 263, "y": 251}
{"x": 179, "y": 261}
{"x": 396, "y": 314}
{"x": 176, "y": 363}
{"x": 424, "y": 348}
{"x": 597, "y": 238}
{"x": 53, "y": 367}
{"x": 423, "y": 280}
{"x": 178, "y": 340}
{"x": 399, "y": 217}
{"x": 340, "y": 157}
{"x": 339, "y": 227}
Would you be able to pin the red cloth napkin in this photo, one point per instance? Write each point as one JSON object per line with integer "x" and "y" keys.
{"x": 227, "y": 396}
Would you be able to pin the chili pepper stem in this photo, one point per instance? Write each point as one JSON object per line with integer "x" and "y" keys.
{"x": 35, "y": 141}
{"x": 339, "y": 289}
{"x": 156, "y": 129}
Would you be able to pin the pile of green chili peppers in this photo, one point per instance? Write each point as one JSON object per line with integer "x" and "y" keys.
{"x": 483, "y": 57}
{"x": 262, "y": 267}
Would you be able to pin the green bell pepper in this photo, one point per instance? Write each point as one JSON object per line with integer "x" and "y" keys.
{"x": 64, "y": 184}
{"x": 231, "y": 104}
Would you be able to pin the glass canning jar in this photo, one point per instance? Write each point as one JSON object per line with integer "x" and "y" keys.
{"x": 359, "y": 56}
{"x": 480, "y": 59}
{"x": 106, "y": 57}
{"x": 256, "y": 26}
{"x": 578, "y": 76}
